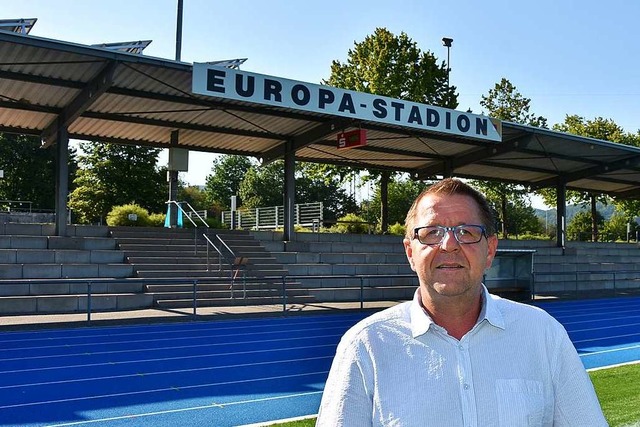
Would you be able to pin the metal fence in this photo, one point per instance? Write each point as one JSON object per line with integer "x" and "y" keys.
{"x": 272, "y": 217}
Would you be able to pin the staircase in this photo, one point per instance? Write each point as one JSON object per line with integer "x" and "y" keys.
{"x": 328, "y": 259}
{"x": 244, "y": 274}
{"x": 42, "y": 273}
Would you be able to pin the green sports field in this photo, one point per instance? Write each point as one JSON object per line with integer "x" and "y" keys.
{"x": 618, "y": 390}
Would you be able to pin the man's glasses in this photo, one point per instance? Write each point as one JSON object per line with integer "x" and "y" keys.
{"x": 434, "y": 234}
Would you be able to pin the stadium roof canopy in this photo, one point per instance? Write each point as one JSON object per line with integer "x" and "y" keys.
{"x": 100, "y": 94}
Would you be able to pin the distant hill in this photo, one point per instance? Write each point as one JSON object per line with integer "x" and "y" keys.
{"x": 550, "y": 215}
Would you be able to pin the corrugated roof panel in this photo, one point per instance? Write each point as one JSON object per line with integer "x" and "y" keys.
{"x": 498, "y": 173}
{"x": 151, "y": 97}
{"x": 21, "y": 119}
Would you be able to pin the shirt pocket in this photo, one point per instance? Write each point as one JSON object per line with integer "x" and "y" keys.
{"x": 520, "y": 402}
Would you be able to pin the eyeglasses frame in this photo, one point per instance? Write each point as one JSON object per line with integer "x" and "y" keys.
{"x": 452, "y": 229}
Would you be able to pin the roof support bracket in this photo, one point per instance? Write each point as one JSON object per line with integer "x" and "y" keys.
{"x": 307, "y": 138}
{"x": 87, "y": 96}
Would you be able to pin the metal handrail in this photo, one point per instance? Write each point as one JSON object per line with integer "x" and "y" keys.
{"x": 210, "y": 243}
{"x": 236, "y": 263}
{"x": 195, "y": 226}
{"x": 283, "y": 279}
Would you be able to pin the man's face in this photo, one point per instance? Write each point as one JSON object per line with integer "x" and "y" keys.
{"x": 449, "y": 269}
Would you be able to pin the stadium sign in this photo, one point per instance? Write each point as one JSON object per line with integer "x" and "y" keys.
{"x": 240, "y": 85}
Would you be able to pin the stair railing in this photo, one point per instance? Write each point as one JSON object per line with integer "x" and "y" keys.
{"x": 220, "y": 254}
{"x": 236, "y": 264}
{"x": 195, "y": 226}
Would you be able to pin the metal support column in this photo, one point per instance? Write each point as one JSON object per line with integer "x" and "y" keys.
{"x": 62, "y": 180}
{"x": 561, "y": 209}
{"x": 289, "y": 191}
{"x": 384, "y": 201}
{"x": 172, "y": 178}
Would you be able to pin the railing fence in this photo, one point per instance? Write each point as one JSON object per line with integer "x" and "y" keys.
{"x": 272, "y": 217}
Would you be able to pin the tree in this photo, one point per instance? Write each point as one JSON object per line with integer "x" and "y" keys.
{"x": 227, "y": 174}
{"x": 394, "y": 66}
{"x": 114, "y": 175}
{"x": 598, "y": 128}
{"x": 523, "y": 220}
{"x": 194, "y": 196}
{"x": 264, "y": 186}
{"x": 579, "y": 228}
{"x": 29, "y": 170}
{"x": 615, "y": 228}
{"x": 402, "y": 193}
{"x": 504, "y": 102}
{"x": 504, "y": 197}
{"x": 312, "y": 188}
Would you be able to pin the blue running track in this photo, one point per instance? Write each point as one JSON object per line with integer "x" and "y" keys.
{"x": 223, "y": 373}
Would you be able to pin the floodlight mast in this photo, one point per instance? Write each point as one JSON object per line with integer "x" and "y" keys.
{"x": 447, "y": 41}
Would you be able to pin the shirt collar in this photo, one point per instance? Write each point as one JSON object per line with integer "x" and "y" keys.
{"x": 421, "y": 321}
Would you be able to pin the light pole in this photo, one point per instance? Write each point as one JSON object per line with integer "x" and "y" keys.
{"x": 447, "y": 41}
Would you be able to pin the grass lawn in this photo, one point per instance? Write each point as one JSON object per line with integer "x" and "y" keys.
{"x": 618, "y": 390}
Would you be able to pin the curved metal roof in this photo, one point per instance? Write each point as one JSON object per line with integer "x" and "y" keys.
{"x": 105, "y": 95}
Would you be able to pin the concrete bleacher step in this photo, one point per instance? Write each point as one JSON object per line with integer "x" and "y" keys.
{"x": 220, "y": 294}
{"x": 52, "y": 304}
{"x": 237, "y": 301}
{"x": 64, "y": 271}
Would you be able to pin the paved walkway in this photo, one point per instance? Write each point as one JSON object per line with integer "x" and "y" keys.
{"x": 38, "y": 321}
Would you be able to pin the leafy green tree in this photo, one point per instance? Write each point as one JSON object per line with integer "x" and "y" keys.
{"x": 264, "y": 186}
{"x": 598, "y": 128}
{"x": 506, "y": 200}
{"x": 504, "y": 102}
{"x": 615, "y": 228}
{"x": 227, "y": 174}
{"x": 630, "y": 207}
{"x": 193, "y": 195}
{"x": 29, "y": 170}
{"x": 523, "y": 220}
{"x": 335, "y": 200}
{"x": 579, "y": 228}
{"x": 394, "y": 66}
{"x": 402, "y": 193}
{"x": 114, "y": 175}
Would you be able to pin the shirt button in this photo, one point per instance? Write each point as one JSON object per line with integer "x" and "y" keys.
{"x": 466, "y": 386}
{"x": 461, "y": 348}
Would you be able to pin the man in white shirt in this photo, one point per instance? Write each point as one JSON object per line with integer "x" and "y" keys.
{"x": 456, "y": 355}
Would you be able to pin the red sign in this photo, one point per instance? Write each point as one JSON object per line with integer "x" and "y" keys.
{"x": 353, "y": 138}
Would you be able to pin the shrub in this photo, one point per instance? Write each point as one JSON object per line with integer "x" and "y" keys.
{"x": 351, "y": 223}
{"x": 119, "y": 215}
{"x": 157, "y": 220}
{"x": 397, "y": 229}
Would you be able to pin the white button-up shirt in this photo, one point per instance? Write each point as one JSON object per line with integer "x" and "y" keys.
{"x": 516, "y": 367}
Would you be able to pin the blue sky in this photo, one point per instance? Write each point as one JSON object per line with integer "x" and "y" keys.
{"x": 568, "y": 57}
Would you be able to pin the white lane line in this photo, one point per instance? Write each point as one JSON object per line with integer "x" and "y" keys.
{"x": 634, "y": 362}
{"x": 194, "y": 408}
{"x": 282, "y": 421}
{"x": 171, "y": 372}
{"x": 217, "y": 332}
{"x": 165, "y": 389}
{"x": 166, "y": 359}
{"x": 177, "y": 347}
{"x": 611, "y": 350}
